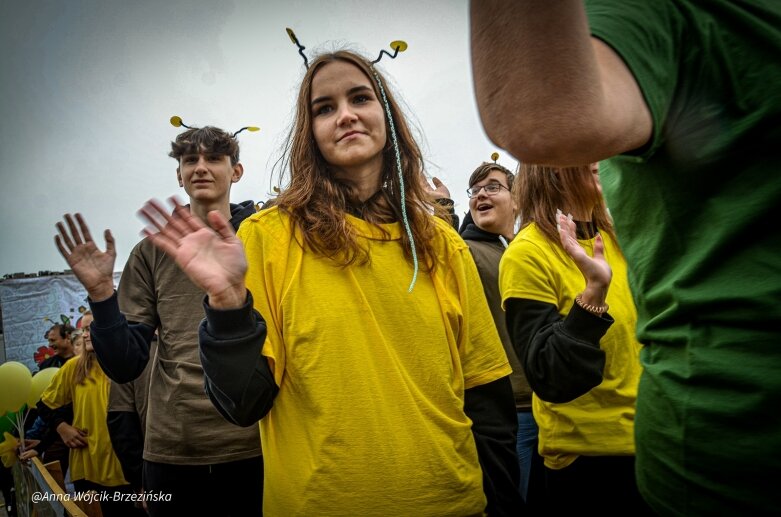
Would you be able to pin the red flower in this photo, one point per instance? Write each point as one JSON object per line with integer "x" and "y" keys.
{"x": 43, "y": 353}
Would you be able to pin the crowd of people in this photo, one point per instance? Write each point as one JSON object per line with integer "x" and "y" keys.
{"x": 346, "y": 351}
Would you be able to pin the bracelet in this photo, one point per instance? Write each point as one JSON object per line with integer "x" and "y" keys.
{"x": 593, "y": 309}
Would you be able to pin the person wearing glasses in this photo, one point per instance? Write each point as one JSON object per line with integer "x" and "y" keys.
{"x": 559, "y": 277}
{"x": 487, "y": 230}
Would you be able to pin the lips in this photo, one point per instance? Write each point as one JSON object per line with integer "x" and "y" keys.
{"x": 348, "y": 134}
{"x": 483, "y": 207}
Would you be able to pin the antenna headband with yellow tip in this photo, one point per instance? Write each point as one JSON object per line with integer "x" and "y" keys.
{"x": 397, "y": 46}
{"x": 176, "y": 121}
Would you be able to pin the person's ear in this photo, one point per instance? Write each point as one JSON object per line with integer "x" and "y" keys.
{"x": 179, "y": 177}
{"x": 238, "y": 172}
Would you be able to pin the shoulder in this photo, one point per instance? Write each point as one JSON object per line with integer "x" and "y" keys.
{"x": 448, "y": 240}
{"x": 271, "y": 221}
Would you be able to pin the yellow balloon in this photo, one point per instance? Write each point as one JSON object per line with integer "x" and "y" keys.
{"x": 39, "y": 383}
{"x": 15, "y": 382}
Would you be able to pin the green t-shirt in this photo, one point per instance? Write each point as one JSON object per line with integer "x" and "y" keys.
{"x": 694, "y": 215}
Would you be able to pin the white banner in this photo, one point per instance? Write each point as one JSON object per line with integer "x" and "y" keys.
{"x": 30, "y": 306}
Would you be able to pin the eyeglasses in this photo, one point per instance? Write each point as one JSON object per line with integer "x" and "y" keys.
{"x": 491, "y": 189}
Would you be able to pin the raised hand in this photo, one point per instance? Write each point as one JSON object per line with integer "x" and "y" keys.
{"x": 213, "y": 257}
{"x": 93, "y": 268}
{"x": 440, "y": 190}
{"x": 595, "y": 269}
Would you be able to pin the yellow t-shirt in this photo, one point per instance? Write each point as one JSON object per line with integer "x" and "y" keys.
{"x": 601, "y": 422}
{"x": 96, "y": 462}
{"x": 369, "y": 417}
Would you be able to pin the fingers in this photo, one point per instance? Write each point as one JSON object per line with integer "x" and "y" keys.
{"x": 74, "y": 232}
{"x": 84, "y": 228}
{"x": 599, "y": 247}
{"x": 175, "y": 226}
{"x": 220, "y": 225}
{"x": 437, "y": 183}
{"x": 58, "y": 242}
{"x": 66, "y": 240}
{"x": 110, "y": 249}
{"x": 166, "y": 244}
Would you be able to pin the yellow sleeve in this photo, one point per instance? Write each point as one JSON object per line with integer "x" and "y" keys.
{"x": 60, "y": 390}
{"x": 482, "y": 355}
{"x": 527, "y": 272}
{"x": 264, "y": 245}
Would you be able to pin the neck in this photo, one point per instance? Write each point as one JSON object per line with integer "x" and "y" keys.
{"x": 364, "y": 179}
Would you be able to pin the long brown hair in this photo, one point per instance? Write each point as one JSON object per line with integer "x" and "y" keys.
{"x": 540, "y": 190}
{"x": 85, "y": 360}
{"x": 317, "y": 202}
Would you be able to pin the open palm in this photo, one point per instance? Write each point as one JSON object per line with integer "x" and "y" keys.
{"x": 595, "y": 269}
{"x": 93, "y": 268}
{"x": 213, "y": 258}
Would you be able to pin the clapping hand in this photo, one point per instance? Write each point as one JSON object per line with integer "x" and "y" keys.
{"x": 213, "y": 257}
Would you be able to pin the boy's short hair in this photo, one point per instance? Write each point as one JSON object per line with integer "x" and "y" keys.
{"x": 485, "y": 169}
{"x": 208, "y": 139}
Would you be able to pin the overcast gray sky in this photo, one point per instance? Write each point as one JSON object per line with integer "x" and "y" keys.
{"x": 88, "y": 87}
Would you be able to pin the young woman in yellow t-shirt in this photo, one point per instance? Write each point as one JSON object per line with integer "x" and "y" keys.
{"x": 93, "y": 464}
{"x": 572, "y": 320}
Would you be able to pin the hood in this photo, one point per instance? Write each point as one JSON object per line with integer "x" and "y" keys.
{"x": 469, "y": 231}
{"x": 240, "y": 211}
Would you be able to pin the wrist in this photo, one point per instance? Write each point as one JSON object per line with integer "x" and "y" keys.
{"x": 597, "y": 308}
{"x": 230, "y": 298}
{"x": 101, "y": 292}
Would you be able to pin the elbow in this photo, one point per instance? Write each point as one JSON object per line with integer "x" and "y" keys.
{"x": 244, "y": 410}
{"x": 562, "y": 394}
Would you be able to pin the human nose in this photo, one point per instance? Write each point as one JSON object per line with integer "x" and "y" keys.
{"x": 200, "y": 165}
{"x": 345, "y": 115}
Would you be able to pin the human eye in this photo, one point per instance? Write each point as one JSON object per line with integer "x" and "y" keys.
{"x": 323, "y": 109}
{"x": 189, "y": 159}
{"x": 215, "y": 157}
{"x": 493, "y": 188}
{"x": 361, "y": 98}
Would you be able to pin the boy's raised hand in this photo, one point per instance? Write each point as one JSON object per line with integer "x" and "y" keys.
{"x": 93, "y": 268}
{"x": 213, "y": 257}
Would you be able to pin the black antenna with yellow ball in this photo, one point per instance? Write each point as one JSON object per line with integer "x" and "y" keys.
{"x": 494, "y": 156}
{"x": 301, "y": 48}
{"x": 176, "y": 121}
{"x": 397, "y": 46}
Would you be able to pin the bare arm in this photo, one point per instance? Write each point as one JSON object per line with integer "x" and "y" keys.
{"x": 548, "y": 92}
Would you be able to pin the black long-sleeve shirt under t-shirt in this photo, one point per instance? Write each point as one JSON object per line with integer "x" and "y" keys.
{"x": 241, "y": 385}
{"x": 561, "y": 357}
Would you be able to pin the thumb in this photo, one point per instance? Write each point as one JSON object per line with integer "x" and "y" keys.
{"x": 599, "y": 247}
{"x": 436, "y": 181}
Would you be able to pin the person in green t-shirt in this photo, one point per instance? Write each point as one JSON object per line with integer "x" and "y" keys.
{"x": 683, "y": 97}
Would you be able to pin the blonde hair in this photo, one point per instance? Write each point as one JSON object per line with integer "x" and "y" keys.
{"x": 84, "y": 362}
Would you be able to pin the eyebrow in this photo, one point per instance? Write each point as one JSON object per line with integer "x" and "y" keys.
{"x": 351, "y": 91}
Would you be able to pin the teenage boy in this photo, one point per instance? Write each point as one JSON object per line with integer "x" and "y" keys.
{"x": 488, "y": 229}
{"x": 195, "y": 462}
